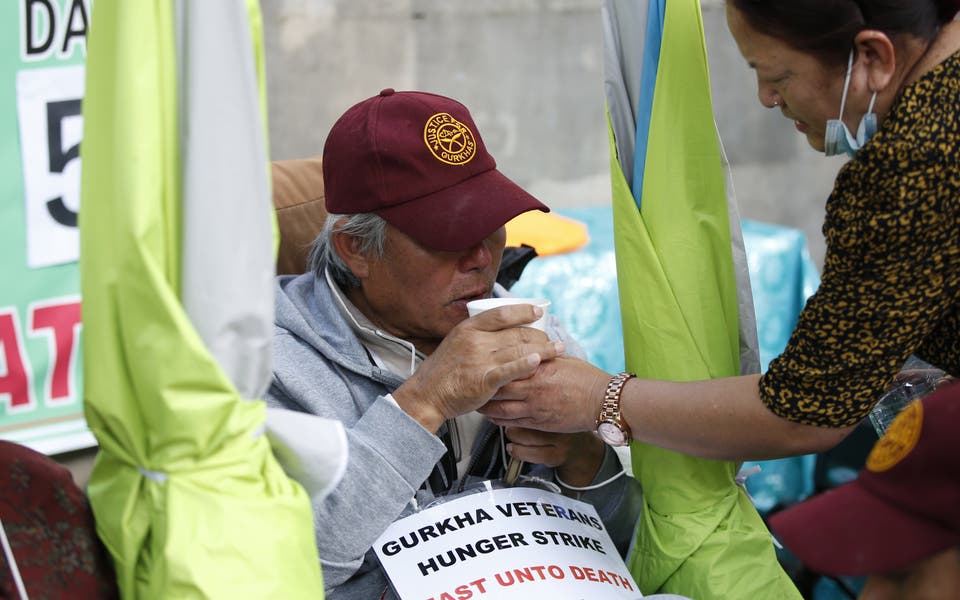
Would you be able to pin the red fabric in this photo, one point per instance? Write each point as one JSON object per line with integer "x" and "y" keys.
{"x": 50, "y": 528}
{"x": 904, "y": 506}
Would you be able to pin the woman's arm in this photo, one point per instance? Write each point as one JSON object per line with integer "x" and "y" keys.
{"x": 721, "y": 419}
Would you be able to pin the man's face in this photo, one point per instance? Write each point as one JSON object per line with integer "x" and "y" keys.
{"x": 419, "y": 294}
{"x": 933, "y": 578}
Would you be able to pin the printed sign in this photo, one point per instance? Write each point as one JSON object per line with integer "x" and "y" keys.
{"x": 42, "y": 54}
{"x": 515, "y": 543}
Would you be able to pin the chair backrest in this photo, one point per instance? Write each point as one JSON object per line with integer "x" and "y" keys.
{"x": 299, "y": 202}
{"x": 53, "y": 550}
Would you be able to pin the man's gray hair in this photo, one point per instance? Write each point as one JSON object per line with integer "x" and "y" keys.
{"x": 368, "y": 228}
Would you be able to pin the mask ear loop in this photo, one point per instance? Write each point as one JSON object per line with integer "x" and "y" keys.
{"x": 873, "y": 99}
{"x": 846, "y": 86}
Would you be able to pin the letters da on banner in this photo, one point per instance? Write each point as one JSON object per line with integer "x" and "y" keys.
{"x": 50, "y": 27}
{"x": 505, "y": 544}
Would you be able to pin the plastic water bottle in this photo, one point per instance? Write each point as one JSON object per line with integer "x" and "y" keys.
{"x": 909, "y": 386}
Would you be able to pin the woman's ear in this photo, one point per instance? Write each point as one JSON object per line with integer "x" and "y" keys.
{"x": 876, "y": 52}
{"x": 348, "y": 247}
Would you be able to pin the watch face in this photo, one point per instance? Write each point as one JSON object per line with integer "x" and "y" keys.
{"x": 611, "y": 434}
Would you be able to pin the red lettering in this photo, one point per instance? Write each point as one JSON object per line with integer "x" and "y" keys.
{"x": 505, "y": 579}
{"x": 61, "y": 322}
{"x": 14, "y": 376}
{"x": 463, "y": 592}
{"x": 595, "y": 575}
{"x": 538, "y": 569}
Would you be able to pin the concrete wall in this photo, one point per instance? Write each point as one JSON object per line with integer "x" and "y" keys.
{"x": 531, "y": 72}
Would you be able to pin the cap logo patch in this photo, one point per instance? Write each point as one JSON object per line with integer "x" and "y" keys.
{"x": 899, "y": 440}
{"x": 449, "y": 140}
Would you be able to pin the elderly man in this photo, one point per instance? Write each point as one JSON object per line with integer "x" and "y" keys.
{"x": 376, "y": 334}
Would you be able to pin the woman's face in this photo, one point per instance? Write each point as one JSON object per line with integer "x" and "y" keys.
{"x": 807, "y": 92}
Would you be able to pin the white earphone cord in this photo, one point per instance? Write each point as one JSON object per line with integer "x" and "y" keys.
{"x": 14, "y": 569}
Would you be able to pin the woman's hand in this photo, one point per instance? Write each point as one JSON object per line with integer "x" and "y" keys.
{"x": 562, "y": 395}
{"x": 479, "y": 356}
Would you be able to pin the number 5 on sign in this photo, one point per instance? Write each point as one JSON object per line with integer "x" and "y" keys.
{"x": 51, "y": 127}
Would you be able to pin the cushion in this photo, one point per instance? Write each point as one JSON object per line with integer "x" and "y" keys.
{"x": 298, "y": 199}
{"x": 50, "y": 528}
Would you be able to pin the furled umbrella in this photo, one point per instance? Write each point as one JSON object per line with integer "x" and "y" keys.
{"x": 176, "y": 269}
{"x": 684, "y": 296}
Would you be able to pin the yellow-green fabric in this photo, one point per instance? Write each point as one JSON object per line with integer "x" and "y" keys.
{"x": 187, "y": 495}
{"x": 699, "y": 535}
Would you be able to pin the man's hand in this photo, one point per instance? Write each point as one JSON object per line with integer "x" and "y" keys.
{"x": 479, "y": 356}
{"x": 576, "y": 456}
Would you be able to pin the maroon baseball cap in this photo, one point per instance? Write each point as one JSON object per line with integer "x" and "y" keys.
{"x": 417, "y": 160}
{"x": 903, "y": 507}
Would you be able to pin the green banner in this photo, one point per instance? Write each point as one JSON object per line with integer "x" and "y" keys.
{"x": 42, "y": 54}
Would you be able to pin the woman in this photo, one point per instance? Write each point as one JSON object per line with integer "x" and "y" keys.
{"x": 880, "y": 80}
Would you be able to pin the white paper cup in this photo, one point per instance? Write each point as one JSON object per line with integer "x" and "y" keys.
{"x": 475, "y": 307}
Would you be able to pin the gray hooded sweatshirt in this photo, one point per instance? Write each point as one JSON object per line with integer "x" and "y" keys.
{"x": 321, "y": 367}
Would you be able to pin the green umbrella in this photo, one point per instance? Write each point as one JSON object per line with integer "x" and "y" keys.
{"x": 683, "y": 320}
{"x": 176, "y": 264}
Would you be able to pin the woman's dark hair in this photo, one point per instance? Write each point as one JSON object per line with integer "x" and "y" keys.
{"x": 826, "y": 28}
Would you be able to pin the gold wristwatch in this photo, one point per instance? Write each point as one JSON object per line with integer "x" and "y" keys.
{"x": 611, "y": 428}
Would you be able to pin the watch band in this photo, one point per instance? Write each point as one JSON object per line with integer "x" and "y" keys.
{"x": 610, "y": 409}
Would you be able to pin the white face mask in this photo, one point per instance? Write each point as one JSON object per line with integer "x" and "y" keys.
{"x": 837, "y": 137}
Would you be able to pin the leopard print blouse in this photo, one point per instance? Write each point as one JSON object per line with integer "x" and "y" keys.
{"x": 891, "y": 276}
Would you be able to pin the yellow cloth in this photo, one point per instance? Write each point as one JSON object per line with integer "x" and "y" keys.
{"x": 548, "y": 233}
